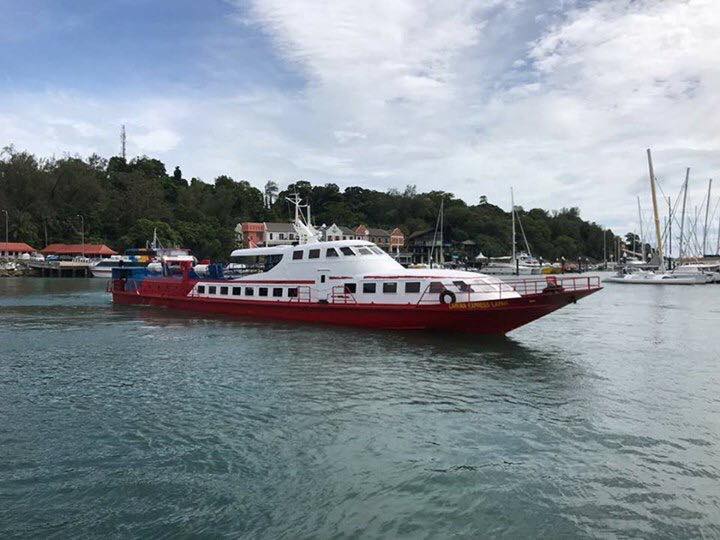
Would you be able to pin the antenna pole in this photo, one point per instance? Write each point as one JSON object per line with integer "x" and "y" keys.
{"x": 655, "y": 212}
{"x": 123, "y": 143}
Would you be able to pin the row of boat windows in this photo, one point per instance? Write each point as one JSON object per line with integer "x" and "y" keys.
{"x": 333, "y": 252}
{"x": 292, "y": 292}
{"x": 277, "y": 292}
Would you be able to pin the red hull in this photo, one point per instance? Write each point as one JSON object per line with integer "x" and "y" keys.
{"x": 491, "y": 317}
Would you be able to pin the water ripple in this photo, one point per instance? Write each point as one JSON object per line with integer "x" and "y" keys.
{"x": 600, "y": 420}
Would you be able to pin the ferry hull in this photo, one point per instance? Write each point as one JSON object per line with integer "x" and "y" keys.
{"x": 489, "y": 317}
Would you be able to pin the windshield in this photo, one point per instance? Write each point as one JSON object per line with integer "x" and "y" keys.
{"x": 257, "y": 263}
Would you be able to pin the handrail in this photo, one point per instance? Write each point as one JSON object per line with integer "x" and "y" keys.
{"x": 522, "y": 286}
{"x": 299, "y": 298}
{"x": 344, "y": 294}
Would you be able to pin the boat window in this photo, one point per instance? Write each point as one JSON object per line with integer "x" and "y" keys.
{"x": 277, "y": 292}
{"x": 347, "y": 251}
{"x": 350, "y": 288}
{"x": 436, "y": 287}
{"x": 297, "y": 255}
{"x": 412, "y": 287}
{"x": 223, "y": 290}
{"x": 237, "y": 291}
{"x": 201, "y": 289}
{"x": 314, "y": 254}
{"x": 292, "y": 292}
{"x": 271, "y": 261}
{"x": 262, "y": 291}
{"x": 369, "y": 288}
{"x": 249, "y": 291}
{"x": 331, "y": 252}
{"x": 364, "y": 251}
{"x": 462, "y": 286}
{"x": 252, "y": 264}
{"x": 389, "y": 287}
{"x": 212, "y": 290}
{"x": 376, "y": 250}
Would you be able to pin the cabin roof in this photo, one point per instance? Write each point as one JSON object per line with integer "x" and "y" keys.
{"x": 279, "y": 227}
{"x": 276, "y": 250}
{"x": 77, "y": 249}
{"x": 19, "y": 247}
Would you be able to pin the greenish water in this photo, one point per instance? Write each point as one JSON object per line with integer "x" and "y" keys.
{"x": 600, "y": 420}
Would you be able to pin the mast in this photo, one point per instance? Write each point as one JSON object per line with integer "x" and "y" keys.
{"x": 717, "y": 247}
{"x": 442, "y": 224}
{"x": 655, "y": 212}
{"x": 682, "y": 216}
{"x": 669, "y": 234}
{"x": 642, "y": 236}
{"x": 707, "y": 211}
{"x": 512, "y": 211}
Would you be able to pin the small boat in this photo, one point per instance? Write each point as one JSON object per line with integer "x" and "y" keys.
{"x": 522, "y": 264}
{"x": 709, "y": 273}
{"x": 629, "y": 276}
{"x": 103, "y": 268}
{"x": 642, "y": 277}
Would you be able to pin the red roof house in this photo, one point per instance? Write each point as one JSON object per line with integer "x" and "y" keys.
{"x": 89, "y": 250}
{"x": 15, "y": 249}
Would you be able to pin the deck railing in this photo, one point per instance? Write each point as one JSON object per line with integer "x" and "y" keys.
{"x": 341, "y": 295}
{"x": 509, "y": 287}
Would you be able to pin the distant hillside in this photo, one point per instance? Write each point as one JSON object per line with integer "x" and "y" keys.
{"x": 122, "y": 203}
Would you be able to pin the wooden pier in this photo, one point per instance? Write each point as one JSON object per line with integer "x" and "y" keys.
{"x": 60, "y": 268}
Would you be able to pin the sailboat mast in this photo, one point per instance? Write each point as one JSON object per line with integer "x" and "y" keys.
{"x": 669, "y": 233}
{"x": 717, "y": 247}
{"x": 642, "y": 236}
{"x": 512, "y": 206}
{"x": 655, "y": 212}
{"x": 682, "y": 216}
{"x": 442, "y": 224}
{"x": 707, "y": 211}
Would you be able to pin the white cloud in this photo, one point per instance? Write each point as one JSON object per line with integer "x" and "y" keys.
{"x": 467, "y": 96}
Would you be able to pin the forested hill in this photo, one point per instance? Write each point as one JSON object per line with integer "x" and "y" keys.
{"x": 122, "y": 203}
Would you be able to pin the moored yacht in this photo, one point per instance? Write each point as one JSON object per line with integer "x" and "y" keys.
{"x": 103, "y": 268}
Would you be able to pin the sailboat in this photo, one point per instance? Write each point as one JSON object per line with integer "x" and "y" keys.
{"x": 522, "y": 263}
{"x": 661, "y": 276}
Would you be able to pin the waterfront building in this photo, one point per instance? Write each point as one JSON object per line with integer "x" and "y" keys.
{"x": 397, "y": 240}
{"x": 74, "y": 250}
{"x": 15, "y": 250}
{"x": 422, "y": 243}
{"x": 379, "y": 237}
{"x": 278, "y": 234}
{"x": 250, "y": 234}
{"x": 333, "y": 232}
{"x": 348, "y": 233}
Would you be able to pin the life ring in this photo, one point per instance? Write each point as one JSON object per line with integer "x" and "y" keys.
{"x": 447, "y": 294}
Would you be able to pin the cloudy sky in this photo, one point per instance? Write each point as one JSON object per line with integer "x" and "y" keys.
{"x": 558, "y": 98}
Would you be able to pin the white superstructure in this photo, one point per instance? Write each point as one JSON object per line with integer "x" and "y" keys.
{"x": 355, "y": 270}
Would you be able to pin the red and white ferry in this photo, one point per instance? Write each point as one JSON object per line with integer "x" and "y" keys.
{"x": 355, "y": 283}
